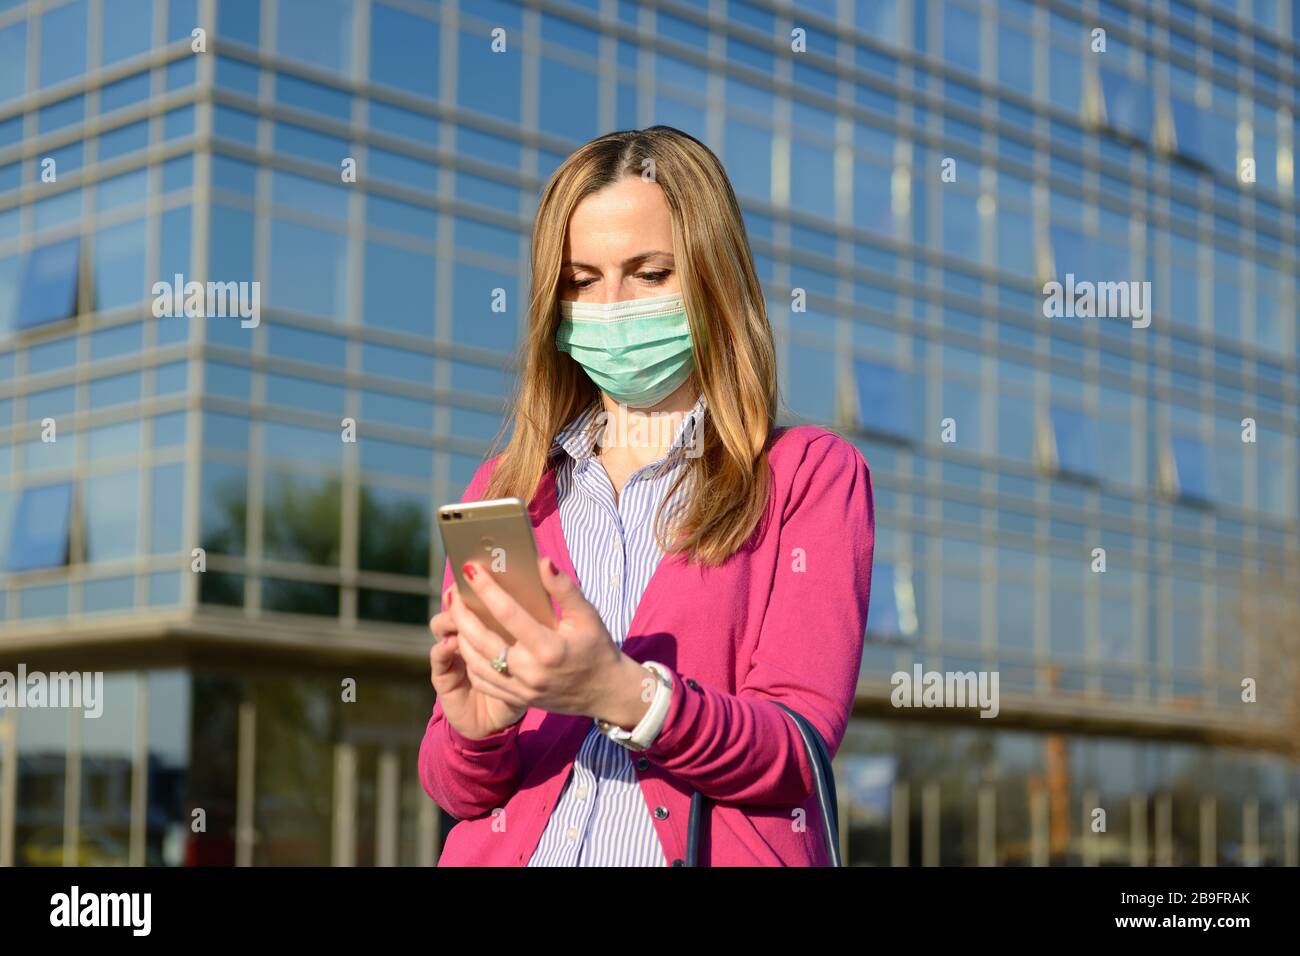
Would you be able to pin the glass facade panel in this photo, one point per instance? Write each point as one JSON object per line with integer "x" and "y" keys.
{"x": 305, "y": 450}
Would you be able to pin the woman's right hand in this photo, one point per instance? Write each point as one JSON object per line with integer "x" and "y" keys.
{"x": 471, "y": 712}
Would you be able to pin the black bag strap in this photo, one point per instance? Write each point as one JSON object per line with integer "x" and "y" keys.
{"x": 823, "y": 785}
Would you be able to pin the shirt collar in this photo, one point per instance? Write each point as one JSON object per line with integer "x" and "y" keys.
{"x": 578, "y": 437}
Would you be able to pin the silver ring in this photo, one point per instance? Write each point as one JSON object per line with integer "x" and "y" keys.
{"x": 499, "y": 662}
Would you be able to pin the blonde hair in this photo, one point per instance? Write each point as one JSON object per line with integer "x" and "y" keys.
{"x": 735, "y": 360}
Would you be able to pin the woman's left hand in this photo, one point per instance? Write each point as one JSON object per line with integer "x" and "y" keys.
{"x": 573, "y": 668}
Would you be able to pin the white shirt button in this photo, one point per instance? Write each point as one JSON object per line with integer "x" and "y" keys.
{"x": 581, "y": 793}
{"x": 571, "y": 834}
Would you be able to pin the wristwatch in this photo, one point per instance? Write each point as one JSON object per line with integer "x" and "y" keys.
{"x": 644, "y": 733}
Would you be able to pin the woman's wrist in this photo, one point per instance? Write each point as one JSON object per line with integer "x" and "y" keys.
{"x": 627, "y": 699}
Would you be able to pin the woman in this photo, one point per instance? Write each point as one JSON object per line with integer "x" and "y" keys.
{"x": 704, "y": 563}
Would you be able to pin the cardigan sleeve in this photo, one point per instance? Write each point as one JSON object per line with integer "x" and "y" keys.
{"x": 742, "y": 748}
{"x": 468, "y": 778}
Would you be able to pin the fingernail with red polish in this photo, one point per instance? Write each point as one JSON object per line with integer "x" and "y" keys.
{"x": 468, "y": 571}
{"x": 554, "y": 570}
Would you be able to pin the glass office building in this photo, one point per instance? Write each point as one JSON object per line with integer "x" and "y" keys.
{"x": 912, "y": 173}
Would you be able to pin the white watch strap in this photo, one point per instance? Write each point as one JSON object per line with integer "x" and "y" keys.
{"x": 644, "y": 733}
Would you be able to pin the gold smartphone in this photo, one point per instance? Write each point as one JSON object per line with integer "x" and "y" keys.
{"x": 498, "y": 535}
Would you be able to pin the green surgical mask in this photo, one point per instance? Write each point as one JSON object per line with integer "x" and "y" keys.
{"x": 638, "y": 352}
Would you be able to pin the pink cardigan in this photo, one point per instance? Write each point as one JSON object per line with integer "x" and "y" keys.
{"x": 781, "y": 619}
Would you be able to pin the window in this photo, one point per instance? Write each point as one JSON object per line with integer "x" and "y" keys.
{"x": 13, "y": 61}
{"x": 318, "y": 32}
{"x": 113, "y": 441}
{"x": 1015, "y": 59}
{"x": 399, "y": 289}
{"x": 300, "y": 597}
{"x": 123, "y": 93}
{"x": 126, "y": 30}
{"x": 568, "y": 100}
{"x": 118, "y": 340}
{"x": 403, "y": 50}
{"x": 1065, "y": 79}
{"x": 487, "y": 192}
{"x": 237, "y": 75}
{"x": 309, "y": 145}
{"x": 478, "y": 297}
{"x": 380, "y": 360}
{"x": 962, "y": 402}
{"x": 63, "y": 43}
{"x": 808, "y": 382}
{"x": 392, "y": 606}
{"x": 1274, "y": 496}
{"x": 960, "y": 592}
{"x": 1227, "y": 293}
{"x": 52, "y": 356}
{"x": 49, "y": 288}
{"x": 873, "y": 196}
{"x": 878, "y": 19}
{"x": 1015, "y": 234}
{"x": 486, "y": 238}
{"x": 812, "y": 177}
{"x": 1069, "y": 250}
{"x": 474, "y": 425}
{"x": 300, "y": 345}
{"x": 1015, "y": 424}
{"x": 230, "y": 232}
{"x": 301, "y": 257}
{"x": 120, "y": 266}
{"x": 423, "y": 129}
{"x": 387, "y": 409}
{"x": 304, "y": 194}
{"x": 235, "y": 124}
{"x": 60, "y": 115}
{"x": 892, "y": 614}
{"x": 397, "y": 458}
{"x": 1015, "y": 600}
{"x": 293, "y": 445}
{"x": 167, "y": 511}
{"x": 1115, "y": 437}
{"x": 1270, "y": 315}
{"x": 302, "y": 517}
{"x": 400, "y": 169}
{"x": 125, "y": 190}
{"x": 112, "y": 504}
{"x": 1074, "y": 446}
{"x": 11, "y": 270}
{"x": 307, "y": 394}
{"x": 883, "y": 406}
{"x": 1066, "y": 608}
{"x": 39, "y": 531}
{"x": 305, "y": 95}
{"x": 1115, "y": 614}
{"x": 1188, "y": 130}
{"x": 961, "y": 225}
{"x": 488, "y": 83}
{"x": 961, "y": 38}
{"x": 1228, "y": 460}
{"x": 1128, "y": 103}
{"x": 1186, "y": 473}
{"x": 748, "y": 156}
{"x": 394, "y": 530}
{"x": 223, "y": 508}
{"x": 240, "y": 21}
{"x": 385, "y": 213}
{"x": 175, "y": 245}
{"x": 182, "y": 15}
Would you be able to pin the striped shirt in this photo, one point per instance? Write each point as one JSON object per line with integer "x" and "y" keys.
{"x": 602, "y": 818}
